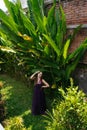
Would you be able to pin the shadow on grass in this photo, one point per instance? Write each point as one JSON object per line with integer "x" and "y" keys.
{"x": 18, "y": 100}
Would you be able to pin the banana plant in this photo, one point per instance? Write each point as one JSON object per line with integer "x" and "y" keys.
{"x": 40, "y": 40}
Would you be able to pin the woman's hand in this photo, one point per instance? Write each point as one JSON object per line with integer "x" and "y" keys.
{"x": 32, "y": 77}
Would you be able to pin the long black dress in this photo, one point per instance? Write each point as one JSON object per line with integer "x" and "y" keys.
{"x": 39, "y": 103}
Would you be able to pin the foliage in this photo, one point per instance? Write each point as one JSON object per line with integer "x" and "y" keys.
{"x": 40, "y": 40}
{"x": 71, "y": 113}
{"x": 6, "y": 54}
{"x": 16, "y": 124}
{"x": 1, "y": 84}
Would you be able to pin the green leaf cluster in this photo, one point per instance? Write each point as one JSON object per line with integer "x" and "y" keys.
{"x": 71, "y": 112}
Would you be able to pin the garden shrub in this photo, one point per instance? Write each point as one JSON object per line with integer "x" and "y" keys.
{"x": 16, "y": 124}
{"x": 71, "y": 113}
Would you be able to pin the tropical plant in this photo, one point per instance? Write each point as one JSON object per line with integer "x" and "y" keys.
{"x": 40, "y": 40}
{"x": 71, "y": 112}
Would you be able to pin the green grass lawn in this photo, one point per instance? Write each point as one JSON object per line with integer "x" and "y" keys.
{"x": 18, "y": 100}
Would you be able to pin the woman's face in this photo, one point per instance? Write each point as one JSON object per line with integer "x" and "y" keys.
{"x": 40, "y": 74}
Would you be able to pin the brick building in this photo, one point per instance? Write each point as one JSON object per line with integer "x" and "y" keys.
{"x": 76, "y": 14}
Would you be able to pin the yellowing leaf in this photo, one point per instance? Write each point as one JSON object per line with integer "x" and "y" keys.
{"x": 53, "y": 86}
{"x": 19, "y": 34}
{"x": 7, "y": 49}
{"x": 25, "y": 37}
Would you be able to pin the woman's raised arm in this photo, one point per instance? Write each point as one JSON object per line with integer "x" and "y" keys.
{"x": 45, "y": 84}
{"x": 32, "y": 77}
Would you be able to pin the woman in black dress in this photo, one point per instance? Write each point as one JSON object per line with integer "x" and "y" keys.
{"x": 39, "y": 103}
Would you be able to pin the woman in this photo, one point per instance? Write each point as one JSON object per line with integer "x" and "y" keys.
{"x": 39, "y": 103}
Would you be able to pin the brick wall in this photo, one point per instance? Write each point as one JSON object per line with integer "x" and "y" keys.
{"x": 75, "y": 10}
{"x": 80, "y": 37}
{"x": 76, "y": 13}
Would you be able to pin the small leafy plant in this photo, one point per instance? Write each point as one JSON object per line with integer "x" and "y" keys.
{"x": 71, "y": 113}
{"x": 16, "y": 124}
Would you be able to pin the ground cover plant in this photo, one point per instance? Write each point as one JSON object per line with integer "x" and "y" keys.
{"x": 18, "y": 100}
{"x": 39, "y": 41}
